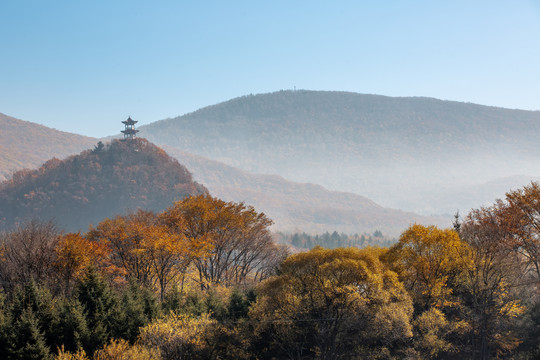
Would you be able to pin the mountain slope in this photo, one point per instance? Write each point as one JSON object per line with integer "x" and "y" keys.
{"x": 98, "y": 183}
{"x": 300, "y": 206}
{"x": 397, "y": 151}
{"x": 293, "y": 206}
{"x": 27, "y": 145}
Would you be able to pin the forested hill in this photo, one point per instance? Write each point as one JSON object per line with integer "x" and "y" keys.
{"x": 98, "y": 183}
{"x": 333, "y": 123}
{"x": 27, "y": 145}
{"x": 396, "y": 151}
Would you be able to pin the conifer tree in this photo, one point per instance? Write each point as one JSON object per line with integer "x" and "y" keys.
{"x": 100, "y": 307}
{"x": 28, "y": 341}
{"x": 71, "y": 329}
{"x": 138, "y": 308}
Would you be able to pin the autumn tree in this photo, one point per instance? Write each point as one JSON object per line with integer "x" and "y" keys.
{"x": 178, "y": 336}
{"x": 331, "y": 303}
{"x": 28, "y": 252}
{"x": 74, "y": 254}
{"x": 170, "y": 253}
{"x": 143, "y": 246}
{"x": 124, "y": 236}
{"x": 523, "y": 212}
{"x": 428, "y": 261}
{"x": 232, "y": 240}
{"x": 431, "y": 263}
{"x": 491, "y": 287}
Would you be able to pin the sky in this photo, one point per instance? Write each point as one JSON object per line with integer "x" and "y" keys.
{"x": 84, "y": 66}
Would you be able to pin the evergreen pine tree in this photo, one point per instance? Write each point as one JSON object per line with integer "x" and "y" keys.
{"x": 100, "y": 307}
{"x": 39, "y": 301}
{"x": 239, "y": 303}
{"x": 28, "y": 342}
{"x": 5, "y": 328}
{"x": 71, "y": 328}
{"x": 138, "y": 307}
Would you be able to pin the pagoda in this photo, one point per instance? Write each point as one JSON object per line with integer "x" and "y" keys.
{"x": 129, "y": 131}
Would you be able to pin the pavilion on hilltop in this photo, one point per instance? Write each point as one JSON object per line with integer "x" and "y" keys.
{"x": 129, "y": 131}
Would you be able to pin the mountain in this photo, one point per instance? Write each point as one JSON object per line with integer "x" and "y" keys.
{"x": 400, "y": 152}
{"x": 108, "y": 180}
{"x": 300, "y": 207}
{"x": 27, "y": 145}
{"x": 292, "y": 205}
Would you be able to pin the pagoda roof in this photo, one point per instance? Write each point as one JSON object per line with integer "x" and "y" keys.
{"x": 129, "y": 121}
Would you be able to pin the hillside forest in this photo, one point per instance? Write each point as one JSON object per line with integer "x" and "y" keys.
{"x": 83, "y": 189}
{"x": 203, "y": 279}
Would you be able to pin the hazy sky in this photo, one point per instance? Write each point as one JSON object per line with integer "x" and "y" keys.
{"x": 84, "y": 66}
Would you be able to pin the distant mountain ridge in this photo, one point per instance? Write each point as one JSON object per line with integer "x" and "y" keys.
{"x": 27, "y": 145}
{"x": 397, "y": 151}
{"x": 293, "y": 206}
{"x": 418, "y": 154}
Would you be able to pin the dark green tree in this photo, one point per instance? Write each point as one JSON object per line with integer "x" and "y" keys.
{"x": 5, "y": 328}
{"x": 28, "y": 341}
{"x": 71, "y": 329}
{"x": 239, "y": 303}
{"x": 100, "y": 306}
{"x": 39, "y": 301}
{"x": 138, "y": 308}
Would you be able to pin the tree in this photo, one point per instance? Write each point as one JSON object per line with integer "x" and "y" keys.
{"x": 178, "y": 336}
{"x": 428, "y": 260}
{"x": 523, "y": 212}
{"x": 431, "y": 263}
{"x": 169, "y": 253}
{"x": 124, "y": 237}
{"x": 70, "y": 328}
{"x": 28, "y": 253}
{"x": 491, "y": 286}
{"x": 229, "y": 241}
{"x": 328, "y": 303}
{"x": 28, "y": 339}
{"x": 138, "y": 308}
{"x": 74, "y": 254}
{"x": 100, "y": 306}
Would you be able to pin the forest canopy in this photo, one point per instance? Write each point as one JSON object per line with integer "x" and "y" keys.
{"x": 204, "y": 279}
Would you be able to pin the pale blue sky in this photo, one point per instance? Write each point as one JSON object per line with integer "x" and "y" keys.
{"x": 83, "y": 66}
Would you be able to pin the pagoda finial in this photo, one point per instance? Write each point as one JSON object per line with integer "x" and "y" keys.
{"x": 129, "y": 131}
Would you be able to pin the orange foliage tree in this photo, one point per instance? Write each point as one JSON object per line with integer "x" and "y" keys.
{"x": 523, "y": 211}
{"x": 74, "y": 254}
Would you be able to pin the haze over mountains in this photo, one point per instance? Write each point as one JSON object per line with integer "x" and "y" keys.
{"x": 401, "y": 152}
{"x": 300, "y": 207}
{"x": 416, "y": 154}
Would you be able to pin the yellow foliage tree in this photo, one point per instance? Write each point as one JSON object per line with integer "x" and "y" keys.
{"x": 178, "y": 336}
{"x": 328, "y": 303}
{"x": 428, "y": 260}
{"x": 124, "y": 238}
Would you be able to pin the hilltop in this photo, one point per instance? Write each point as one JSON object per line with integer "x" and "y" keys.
{"x": 399, "y": 151}
{"x": 98, "y": 183}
